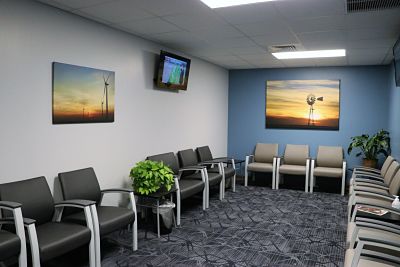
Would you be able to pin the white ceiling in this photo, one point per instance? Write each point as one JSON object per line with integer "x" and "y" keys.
{"x": 238, "y": 37}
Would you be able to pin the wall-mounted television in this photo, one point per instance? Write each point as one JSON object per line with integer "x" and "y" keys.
{"x": 396, "y": 55}
{"x": 173, "y": 71}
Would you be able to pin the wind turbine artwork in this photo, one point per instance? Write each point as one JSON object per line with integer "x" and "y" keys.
{"x": 82, "y": 95}
{"x": 311, "y": 101}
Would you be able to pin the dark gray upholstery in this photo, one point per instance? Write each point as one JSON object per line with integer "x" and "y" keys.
{"x": 9, "y": 245}
{"x": 83, "y": 184}
{"x": 204, "y": 153}
{"x": 190, "y": 187}
{"x": 110, "y": 218}
{"x": 169, "y": 159}
{"x": 34, "y": 195}
{"x": 188, "y": 158}
{"x": 80, "y": 184}
{"x": 54, "y": 238}
{"x": 190, "y": 184}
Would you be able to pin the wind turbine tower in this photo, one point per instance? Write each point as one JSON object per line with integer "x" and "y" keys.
{"x": 311, "y": 101}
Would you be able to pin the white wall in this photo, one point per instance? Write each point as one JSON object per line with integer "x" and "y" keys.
{"x": 147, "y": 121}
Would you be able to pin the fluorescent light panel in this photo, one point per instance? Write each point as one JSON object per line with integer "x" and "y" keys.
{"x": 226, "y": 3}
{"x": 310, "y": 54}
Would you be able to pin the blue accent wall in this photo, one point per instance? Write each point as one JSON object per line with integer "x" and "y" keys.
{"x": 394, "y": 113}
{"x": 364, "y": 108}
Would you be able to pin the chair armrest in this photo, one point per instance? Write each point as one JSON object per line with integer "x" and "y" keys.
{"x": 77, "y": 203}
{"x": 368, "y": 175}
{"x": 366, "y": 169}
{"x": 192, "y": 168}
{"x": 369, "y": 181}
{"x": 373, "y": 194}
{"x": 117, "y": 190}
{"x": 10, "y": 205}
{"x": 370, "y": 237}
{"x": 225, "y": 159}
{"x": 370, "y": 185}
{"x": 11, "y": 220}
{"x": 377, "y": 222}
{"x": 248, "y": 159}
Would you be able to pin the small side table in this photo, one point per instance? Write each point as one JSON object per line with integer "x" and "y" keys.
{"x": 153, "y": 201}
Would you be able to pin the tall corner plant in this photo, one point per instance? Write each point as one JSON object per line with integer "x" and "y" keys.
{"x": 150, "y": 176}
{"x": 371, "y": 147}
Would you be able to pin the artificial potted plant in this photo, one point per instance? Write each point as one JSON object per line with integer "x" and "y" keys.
{"x": 371, "y": 147}
{"x": 151, "y": 176}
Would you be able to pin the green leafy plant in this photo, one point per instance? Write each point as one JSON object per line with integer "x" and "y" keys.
{"x": 150, "y": 176}
{"x": 372, "y": 146}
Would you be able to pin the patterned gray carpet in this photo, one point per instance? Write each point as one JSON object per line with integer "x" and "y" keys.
{"x": 255, "y": 226}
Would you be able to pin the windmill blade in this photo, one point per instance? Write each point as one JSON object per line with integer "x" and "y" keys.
{"x": 320, "y": 98}
{"x": 108, "y": 77}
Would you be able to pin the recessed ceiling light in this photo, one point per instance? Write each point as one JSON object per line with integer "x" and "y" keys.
{"x": 310, "y": 54}
{"x": 226, "y": 3}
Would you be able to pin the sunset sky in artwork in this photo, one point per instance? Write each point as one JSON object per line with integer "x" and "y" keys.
{"x": 77, "y": 88}
{"x": 287, "y": 99}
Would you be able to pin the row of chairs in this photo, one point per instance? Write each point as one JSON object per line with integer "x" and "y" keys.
{"x": 197, "y": 171}
{"x": 56, "y": 228}
{"x": 296, "y": 160}
{"x": 373, "y": 240}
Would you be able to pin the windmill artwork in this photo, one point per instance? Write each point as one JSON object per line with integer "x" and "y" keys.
{"x": 82, "y": 95}
{"x": 303, "y": 104}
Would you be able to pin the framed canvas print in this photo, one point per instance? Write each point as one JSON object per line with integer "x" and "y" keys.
{"x": 82, "y": 94}
{"x": 303, "y": 104}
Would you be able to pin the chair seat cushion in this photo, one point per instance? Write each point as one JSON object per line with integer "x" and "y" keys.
{"x": 229, "y": 171}
{"x": 371, "y": 189}
{"x": 110, "y": 218}
{"x": 190, "y": 187}
{"x": 260, "y": 167}
{"x": 328, "y": 172}
{"x": 56, "y": 238}
{"x": 364, "y": 261}
{"x": 213, "y": 178}
{"x": 292, "y": 169}
{"x": 10, "y": 245}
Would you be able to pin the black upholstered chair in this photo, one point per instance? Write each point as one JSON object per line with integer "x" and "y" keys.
{"x": 187, "y": 185}
{"x": 229, "y": 173}
{"x": 48, "y": 236}
{"x": 83, "y": 184}
{"x": 13, "y": 245}
{"x": 188, "y": 158}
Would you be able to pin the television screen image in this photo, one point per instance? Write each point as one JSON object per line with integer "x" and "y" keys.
{"x": 173, "y": 71}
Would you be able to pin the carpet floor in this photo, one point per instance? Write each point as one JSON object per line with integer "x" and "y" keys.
{"x": 255, "y": 226}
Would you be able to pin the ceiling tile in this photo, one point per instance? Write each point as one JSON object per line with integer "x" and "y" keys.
{"x": 172, "y": 7}
{"x": 270, "y": 27}
{"x": 275, "y": 39}
{"x": 196, "y": 21}
{"x": 294, "y": 9}
{"x": 366, "y": 56}
{"x": 150, "y": 26}
{"x": 232, "y": 42}
{"x": 328, "y": 23}
{"x": 248, "y": 13}
{"x": 212, "y": 33}
{"x": 117, "y": 11}
{"x": 324, "y": 38}
{"x": 76, "y": 4}
{"x": 246, "y": 50}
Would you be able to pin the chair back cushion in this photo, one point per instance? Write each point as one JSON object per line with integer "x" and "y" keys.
{"x": 169, "y": 159}
{"x": 204, "y": 153}
{"x": 330, "y": 156}
{"x": 80, "y": 184}
{"x": 394, "y": 188}
{"x": 393, "y": 168}
{"x": 265, "y": 153}
{"x": 296, "y": 154}
{"x": 386, "y": 165}
{"x": 34, "y": 195}
{"x": 187, "y": 158}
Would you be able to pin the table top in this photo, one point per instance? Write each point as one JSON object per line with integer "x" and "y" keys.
{"x": 388, "y": 217}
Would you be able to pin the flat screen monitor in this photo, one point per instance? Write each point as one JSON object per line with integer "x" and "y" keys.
{"x": 396, "y": 55}
{"x": 173, "y": 71}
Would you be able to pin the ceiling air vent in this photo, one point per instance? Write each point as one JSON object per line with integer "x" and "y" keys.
{"x": 354, "y": 6}
{"x": 282, "y": 48}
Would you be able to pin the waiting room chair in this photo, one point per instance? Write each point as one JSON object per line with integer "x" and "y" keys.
{"x": 372, "y": 171}
{"x": 229, "y": 172}
{"x": 187, "y": 158}
{"x": 13, "y": 245}
{"x": 295, "y": 161}
{"x": 188, "y": 185}
{"x": 49, "y": 237}
{"x": 375, "y": 195}
{"x": 83, "y": 184}
{"x": 329, "y": 163}
{"x": 263, "y": 160}
{"x": 378, "y": 249}
{"x": 371, "y": 180}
